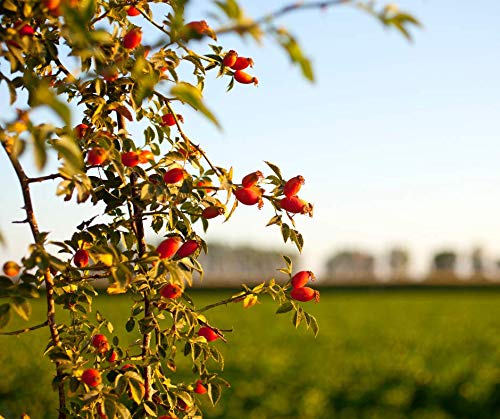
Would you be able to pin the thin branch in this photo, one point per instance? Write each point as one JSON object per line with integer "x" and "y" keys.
{"x": 185, "y": 137}
{"x": 226, "y": 301}
{"x": 299, "y": 5}
{"x": 100, "y": 17}
{"x": 158, "y": 26}
{"x": 26, "y": 330}
{"x": 48, "y": 279}
{"x": 61, "y": 66}
{"x": 44, "y": 178}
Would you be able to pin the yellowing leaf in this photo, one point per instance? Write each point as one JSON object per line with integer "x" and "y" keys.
{"x": 116, "y": 288}
{"x": 105, "y": 258}
{"x": 250, "y": 301}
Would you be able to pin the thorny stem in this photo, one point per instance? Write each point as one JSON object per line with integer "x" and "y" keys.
{"x": 49, "y": 281}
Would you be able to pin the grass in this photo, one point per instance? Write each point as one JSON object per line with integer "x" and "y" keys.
{"x": 392, "y": 354}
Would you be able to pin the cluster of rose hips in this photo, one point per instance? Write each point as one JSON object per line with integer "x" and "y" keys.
{"x": 291, "y": 202}
{"x": 197, "y": 29}
{"x": 299, "y": 290}
{"x": 91, "y": 376}
{"x": 238, "y": 64}
{"x": 249, "y": 193}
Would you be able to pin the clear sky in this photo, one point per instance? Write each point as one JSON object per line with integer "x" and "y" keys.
{"x": 399, "y": 143}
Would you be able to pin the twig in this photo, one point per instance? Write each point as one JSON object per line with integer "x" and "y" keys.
{"x": 299, "y": 5}
{"x": 158, "y": 26}
{"x": 185, "y": 137}
{"x": 100, "y": 17}
{"x": 44, "y": 178}
{"x": 226, "y": 301}
{"x": 25, "y": 330}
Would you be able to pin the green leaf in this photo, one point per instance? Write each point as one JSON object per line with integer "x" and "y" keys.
{"x": 41, "y": 94}
{"x": 291, "y": 46}
{"x": 285, "y": 231}
{"x": 214, "y": 392}
{"x": 136, "y": 390}
{"x": 71, "y": 154}
{"x": 5, "y": 282}
{"x": 5, "y": 315}
{"x": 110, "y": 408}
{"x": 129, "y": 326}
{"x": 122, "y": 411}
{"x": 285, "y": 307}
{"x": 297, "y": 318}
{"x": 314, "y": 325}
{"x": 192, "y": 96}
{"x": 288, "y": 262}
{"x": 21, "y": 307}
{"x": 275, "y": 169}
{"x": 28, "y": 291}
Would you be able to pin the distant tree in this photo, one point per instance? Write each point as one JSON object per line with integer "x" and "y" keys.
{"x": 399, "y": 260}
{"x": 351, "y": 265}
{"x": 477, "y": 261}
{"x": 445, "y": 261}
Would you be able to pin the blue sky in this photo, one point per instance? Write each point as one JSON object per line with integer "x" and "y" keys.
{"x": 398, "y": 142}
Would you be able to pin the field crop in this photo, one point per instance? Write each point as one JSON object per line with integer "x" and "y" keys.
{"x": 379, "y": 354}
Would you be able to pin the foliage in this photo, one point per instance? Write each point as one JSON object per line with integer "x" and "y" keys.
{"x": 163, "y": 180}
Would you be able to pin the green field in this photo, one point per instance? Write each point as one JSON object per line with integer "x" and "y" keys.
{"x": 380, "y": 354}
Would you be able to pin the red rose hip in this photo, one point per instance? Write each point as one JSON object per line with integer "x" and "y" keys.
{"x": 304, "y": 294}
{"x": 212, "y": 212}
{"x": 249, "y": 196}
{"x": 91, "y": 377}
{"x": 230, "y": 58}
{"x": 208, "y": 333}
{"x": 187, "y": 249}
{"x": 81, "y": 258}
{"x": 97, "y": 156}
{"x": 251, "y": 179}
{"x": 174, "y": 175}
{"x": 132, "y": 38}
{"x": 292, "y": 187}
{"x": 169, "y": 120}
{"x": 295, "y": 205}
{"x": 171, "y": 291}
{"x": 200, "y": 388}
{"x": 245, "y": 78}
{"x": 168, "y": 247}
{"x": 301, "y": 278}
{"x": 241, "y": 63}
{"x": 130, "y": 158}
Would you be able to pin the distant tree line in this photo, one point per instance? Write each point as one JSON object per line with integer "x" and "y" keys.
{"x": 359, "y": 266}
{"x": 226, "y": 264}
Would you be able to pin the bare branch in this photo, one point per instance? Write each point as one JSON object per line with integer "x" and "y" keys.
{"x": 299, "y": 5}
{"x": 25, "y": 330}
{"x": 44, "y": 178}
{"x": 49, "y": 281}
